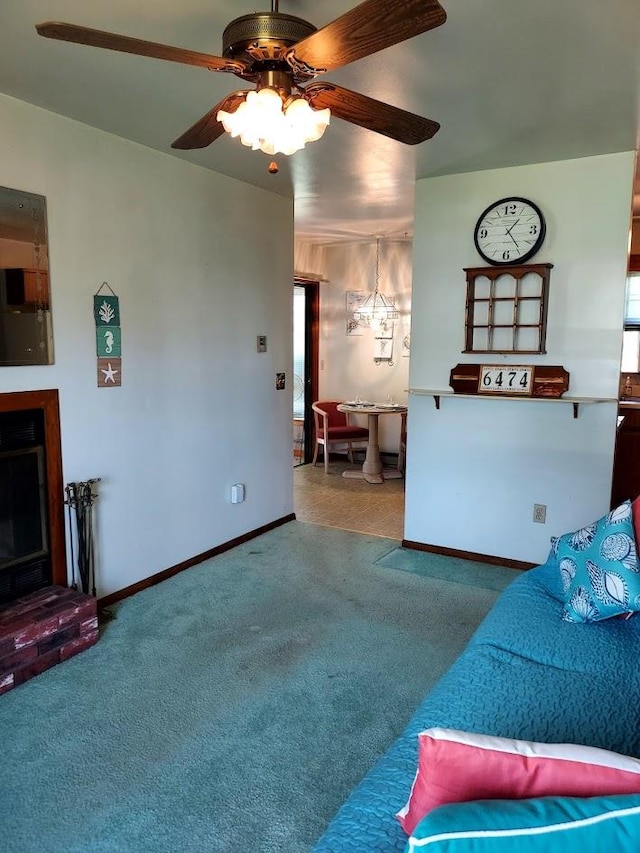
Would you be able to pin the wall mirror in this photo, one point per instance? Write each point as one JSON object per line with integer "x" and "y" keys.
{"x": 26, "y": 335}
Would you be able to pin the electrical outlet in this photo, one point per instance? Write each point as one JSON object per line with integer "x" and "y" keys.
{"x": 540, "y": 513}
{"x": 237, "y": 493}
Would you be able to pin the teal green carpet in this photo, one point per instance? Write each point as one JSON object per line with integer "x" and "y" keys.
{"x": 232, "y": 707}
{"x": 452, "y": 569}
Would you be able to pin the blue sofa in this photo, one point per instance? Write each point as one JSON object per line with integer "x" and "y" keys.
{"x": 525, "y": 674}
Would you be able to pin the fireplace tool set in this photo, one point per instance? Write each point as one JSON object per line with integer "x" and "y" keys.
{"x": 79, "y": 501}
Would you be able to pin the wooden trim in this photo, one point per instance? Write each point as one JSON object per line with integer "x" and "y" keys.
{"x": 634, "y": 263}
{"x": 312, "y": 357}
{"x": 468, "y": 555}
{"x": 113, "y": 597}
{"x": 47, "y": 401}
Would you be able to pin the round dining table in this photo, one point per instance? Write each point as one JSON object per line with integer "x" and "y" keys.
{"x": 372, "y": 469}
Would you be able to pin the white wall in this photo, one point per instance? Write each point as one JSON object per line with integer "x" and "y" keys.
{"x": 347, "y": 366}
{"x": 202, "y": 264}
{"x": 476, "y": 467}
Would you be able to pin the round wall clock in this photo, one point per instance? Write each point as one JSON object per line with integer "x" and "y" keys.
{"x": 509, "y": 231}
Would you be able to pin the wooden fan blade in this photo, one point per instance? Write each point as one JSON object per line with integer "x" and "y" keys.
{"x": 366, "y": 29}
{"x": 125, "y": 44}
{"x": 373, "y": 115}
{"x": 207, "y": 129}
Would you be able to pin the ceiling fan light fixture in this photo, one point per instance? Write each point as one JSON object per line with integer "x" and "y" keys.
{"x": 284, "y": 53}
{"x": 310, "y": 123}
{"x": 264, "y": 122}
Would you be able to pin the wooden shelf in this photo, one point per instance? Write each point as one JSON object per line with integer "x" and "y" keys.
{"x": 575, "y": 401}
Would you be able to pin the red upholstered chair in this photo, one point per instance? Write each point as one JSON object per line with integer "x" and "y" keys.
{"x": 333, "y": 427}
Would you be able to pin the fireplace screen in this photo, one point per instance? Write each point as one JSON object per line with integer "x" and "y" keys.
{"x": 23, "y": 528}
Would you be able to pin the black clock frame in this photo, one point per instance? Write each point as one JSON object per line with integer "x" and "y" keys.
{"x": 532, "y": 250}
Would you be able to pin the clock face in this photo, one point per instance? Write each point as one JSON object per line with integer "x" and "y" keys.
{"x": 509, "y": 231}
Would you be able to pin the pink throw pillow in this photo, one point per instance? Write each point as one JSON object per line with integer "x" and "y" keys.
{"x": 456, "y": 767}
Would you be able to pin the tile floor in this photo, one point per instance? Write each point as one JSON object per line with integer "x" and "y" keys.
{"x": 332, "y": 501}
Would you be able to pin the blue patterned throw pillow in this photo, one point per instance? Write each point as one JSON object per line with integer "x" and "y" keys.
{"x": 599, "y": 568}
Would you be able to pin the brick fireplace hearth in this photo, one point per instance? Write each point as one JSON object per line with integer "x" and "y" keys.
{"x": 43, "y": 629}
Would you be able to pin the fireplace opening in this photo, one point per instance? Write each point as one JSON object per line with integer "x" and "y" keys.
{"x": 25, "y": 556}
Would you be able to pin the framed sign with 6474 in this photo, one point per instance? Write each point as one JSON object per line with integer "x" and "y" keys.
{"x": 505, "y": 379}
{"x": 510, "y": 380}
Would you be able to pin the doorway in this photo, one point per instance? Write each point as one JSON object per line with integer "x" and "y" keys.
{"x": 331, "y": 501}
{"x": 306, "y": 311}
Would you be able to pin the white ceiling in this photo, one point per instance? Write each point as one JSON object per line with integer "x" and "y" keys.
{"x": 510, "y": 81}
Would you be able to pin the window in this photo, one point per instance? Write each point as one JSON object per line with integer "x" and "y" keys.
{"x": 631, "y": 337}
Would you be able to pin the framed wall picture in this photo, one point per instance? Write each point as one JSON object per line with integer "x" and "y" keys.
{"x": 353, "y": 300}
{"x": 383, "y": 349}
{"x": 385, "y": 329}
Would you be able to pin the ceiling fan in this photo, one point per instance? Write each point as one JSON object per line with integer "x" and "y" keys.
{"x": 281, "y": 54}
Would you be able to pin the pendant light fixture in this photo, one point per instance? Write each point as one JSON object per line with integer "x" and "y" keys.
{"x": 376, "y": 308}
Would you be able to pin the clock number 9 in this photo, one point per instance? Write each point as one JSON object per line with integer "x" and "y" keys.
{"x": 483, "y": 233}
